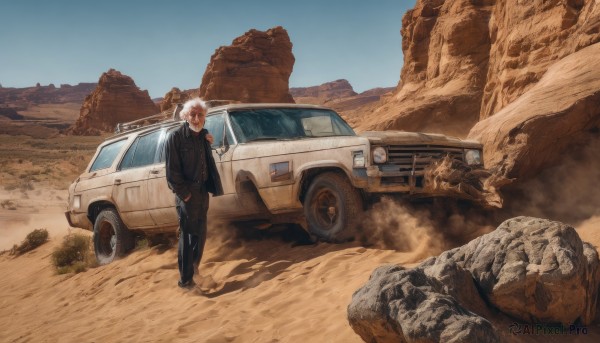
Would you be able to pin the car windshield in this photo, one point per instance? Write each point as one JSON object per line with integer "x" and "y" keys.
{"x": 287, "y": 123}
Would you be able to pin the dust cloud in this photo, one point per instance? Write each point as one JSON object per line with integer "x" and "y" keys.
{"x": 567, "y": 192}
{"x": 425, "y": 229}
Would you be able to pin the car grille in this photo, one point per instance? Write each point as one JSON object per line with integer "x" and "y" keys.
{"x": 404, "y": 157}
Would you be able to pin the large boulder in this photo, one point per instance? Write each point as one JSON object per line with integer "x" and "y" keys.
{"x": 256, "y": 67}
{"x": 435, "y": 304}
{"x": 534, "y": 270}
{"x": 116, "y": 99}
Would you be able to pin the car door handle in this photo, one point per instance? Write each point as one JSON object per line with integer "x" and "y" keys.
{"x": 117, "y": 181}
{"x": 154, "y": 171}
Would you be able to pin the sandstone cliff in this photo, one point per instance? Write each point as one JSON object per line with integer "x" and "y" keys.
{"x": 465, "y": 60}
{"x": 116, "y": 99}
{"x": 256, "y": 67}
{"x": 548, "y": 123}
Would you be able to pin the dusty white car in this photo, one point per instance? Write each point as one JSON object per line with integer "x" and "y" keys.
{"x": 279, "y": 163}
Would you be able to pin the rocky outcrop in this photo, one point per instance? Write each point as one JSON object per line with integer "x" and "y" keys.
{"x": 326, "y": 92}
{"x": 535, "y": 270}
{"x": 466, "y": 60}
{"x": 176, "y": 96}
{"x": 340, "y": 96}
{"x": 547, "y": 123}
{"x": 116, "y": 99}
{"x": 255, "y": 68}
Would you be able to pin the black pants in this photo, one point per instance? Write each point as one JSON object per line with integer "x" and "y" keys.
{"x": 189, "y": 254}
{"x": 192, "y": 230}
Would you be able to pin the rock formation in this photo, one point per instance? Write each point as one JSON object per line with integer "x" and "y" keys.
{"x": 23, "y": 97}
{"x": 116, "y": 99}
{"x": 551, "y": 120}
{"x": 340, "y": 96}
{"x": 326, "y": 92}
{"x": 466, "y": 60}
{"x": 535, "y": 270}
{"x": 255, "y": 68}
{"x": 175, "y": 96}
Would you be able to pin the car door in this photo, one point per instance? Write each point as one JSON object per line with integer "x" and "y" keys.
{"x": 222, "y": 150}
{"x": 161, "y": 199}
{"x": 130, "y": 190}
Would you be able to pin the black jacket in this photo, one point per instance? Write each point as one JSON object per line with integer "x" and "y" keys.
{"x": 181, "y": 157}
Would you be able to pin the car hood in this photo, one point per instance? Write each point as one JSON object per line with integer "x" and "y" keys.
{"x": 417, "y": 138}
{"x": 284, "y": 147}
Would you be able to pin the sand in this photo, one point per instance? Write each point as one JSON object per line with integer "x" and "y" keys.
{"x": 265, "y": 290}
{"x": 250, "y": 289}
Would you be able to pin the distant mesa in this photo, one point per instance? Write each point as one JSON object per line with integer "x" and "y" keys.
{"x": 256, "y": 67}
{"x": 327, "y": 91}
{"x": 28, "y": 96}
{"x": 116, "y": 99}
{"x": 340, "y": 96}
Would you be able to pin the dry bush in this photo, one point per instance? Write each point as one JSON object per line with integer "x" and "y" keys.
{"x": 33, "y": 240}
{"x": 8, "y": 204}
{"x": 74, "y": 255}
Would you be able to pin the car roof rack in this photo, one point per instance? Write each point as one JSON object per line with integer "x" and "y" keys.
{"x": 165, "y": 116}
{"x": 169, "y": 115}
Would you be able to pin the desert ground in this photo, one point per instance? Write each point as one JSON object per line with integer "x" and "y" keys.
{"x": 253, "y": 287}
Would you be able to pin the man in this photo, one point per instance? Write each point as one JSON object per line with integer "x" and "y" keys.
{"x": 191, "y": 174}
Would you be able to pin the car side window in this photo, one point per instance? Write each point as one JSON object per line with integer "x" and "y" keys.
{"x": 142, "y": 152}
{"x": 214, "y": 124}
{"x": 107, "y": 155}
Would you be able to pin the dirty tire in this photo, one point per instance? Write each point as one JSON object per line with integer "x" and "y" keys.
{"x": 332, "y": 207}
{"x": 112, "y": 239}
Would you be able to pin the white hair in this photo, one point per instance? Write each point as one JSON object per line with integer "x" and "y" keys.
{"x": 189, "y": 105}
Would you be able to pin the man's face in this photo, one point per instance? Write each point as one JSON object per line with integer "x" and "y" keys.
{"x": 196, "y": 117}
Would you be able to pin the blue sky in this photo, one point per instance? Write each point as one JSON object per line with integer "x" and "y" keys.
{"x": 164, "y": 44}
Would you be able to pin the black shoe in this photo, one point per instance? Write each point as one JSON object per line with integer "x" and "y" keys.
{"x": 187, "y": 285}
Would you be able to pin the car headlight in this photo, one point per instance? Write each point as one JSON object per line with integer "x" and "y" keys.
{"x": 358, "y": 159}
{"x": 379, "y": 155}
{"x": 473, "y": 157}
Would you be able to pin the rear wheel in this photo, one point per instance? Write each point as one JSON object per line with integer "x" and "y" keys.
{"x": 332, "y": 208}
{"x": 112, "y": 239}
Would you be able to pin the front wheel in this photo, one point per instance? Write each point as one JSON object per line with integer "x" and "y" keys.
{"x": 112, "y": 239}
{"x": 332, "y": 208}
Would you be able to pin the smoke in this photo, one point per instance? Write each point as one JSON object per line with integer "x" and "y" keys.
{"x": 425, "y": 229}
{"x": 567, "y": 192}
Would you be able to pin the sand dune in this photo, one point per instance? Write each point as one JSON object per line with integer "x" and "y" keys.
{"x": 251, "y": 288}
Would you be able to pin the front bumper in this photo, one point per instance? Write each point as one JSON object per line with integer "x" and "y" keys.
{"x": 388, "y": 179}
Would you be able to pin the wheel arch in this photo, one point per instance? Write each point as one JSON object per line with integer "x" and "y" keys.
{"x": 96, "y": 207}
{"x": 307, "y": 175}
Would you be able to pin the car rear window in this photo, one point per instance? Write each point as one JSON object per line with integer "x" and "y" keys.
{"x": 107, "y": 155}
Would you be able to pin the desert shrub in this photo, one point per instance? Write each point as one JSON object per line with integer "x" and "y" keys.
{"x": 73, "y": 255}
{"x": 8, "y": 204}
{"x": 33, "y": 240}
